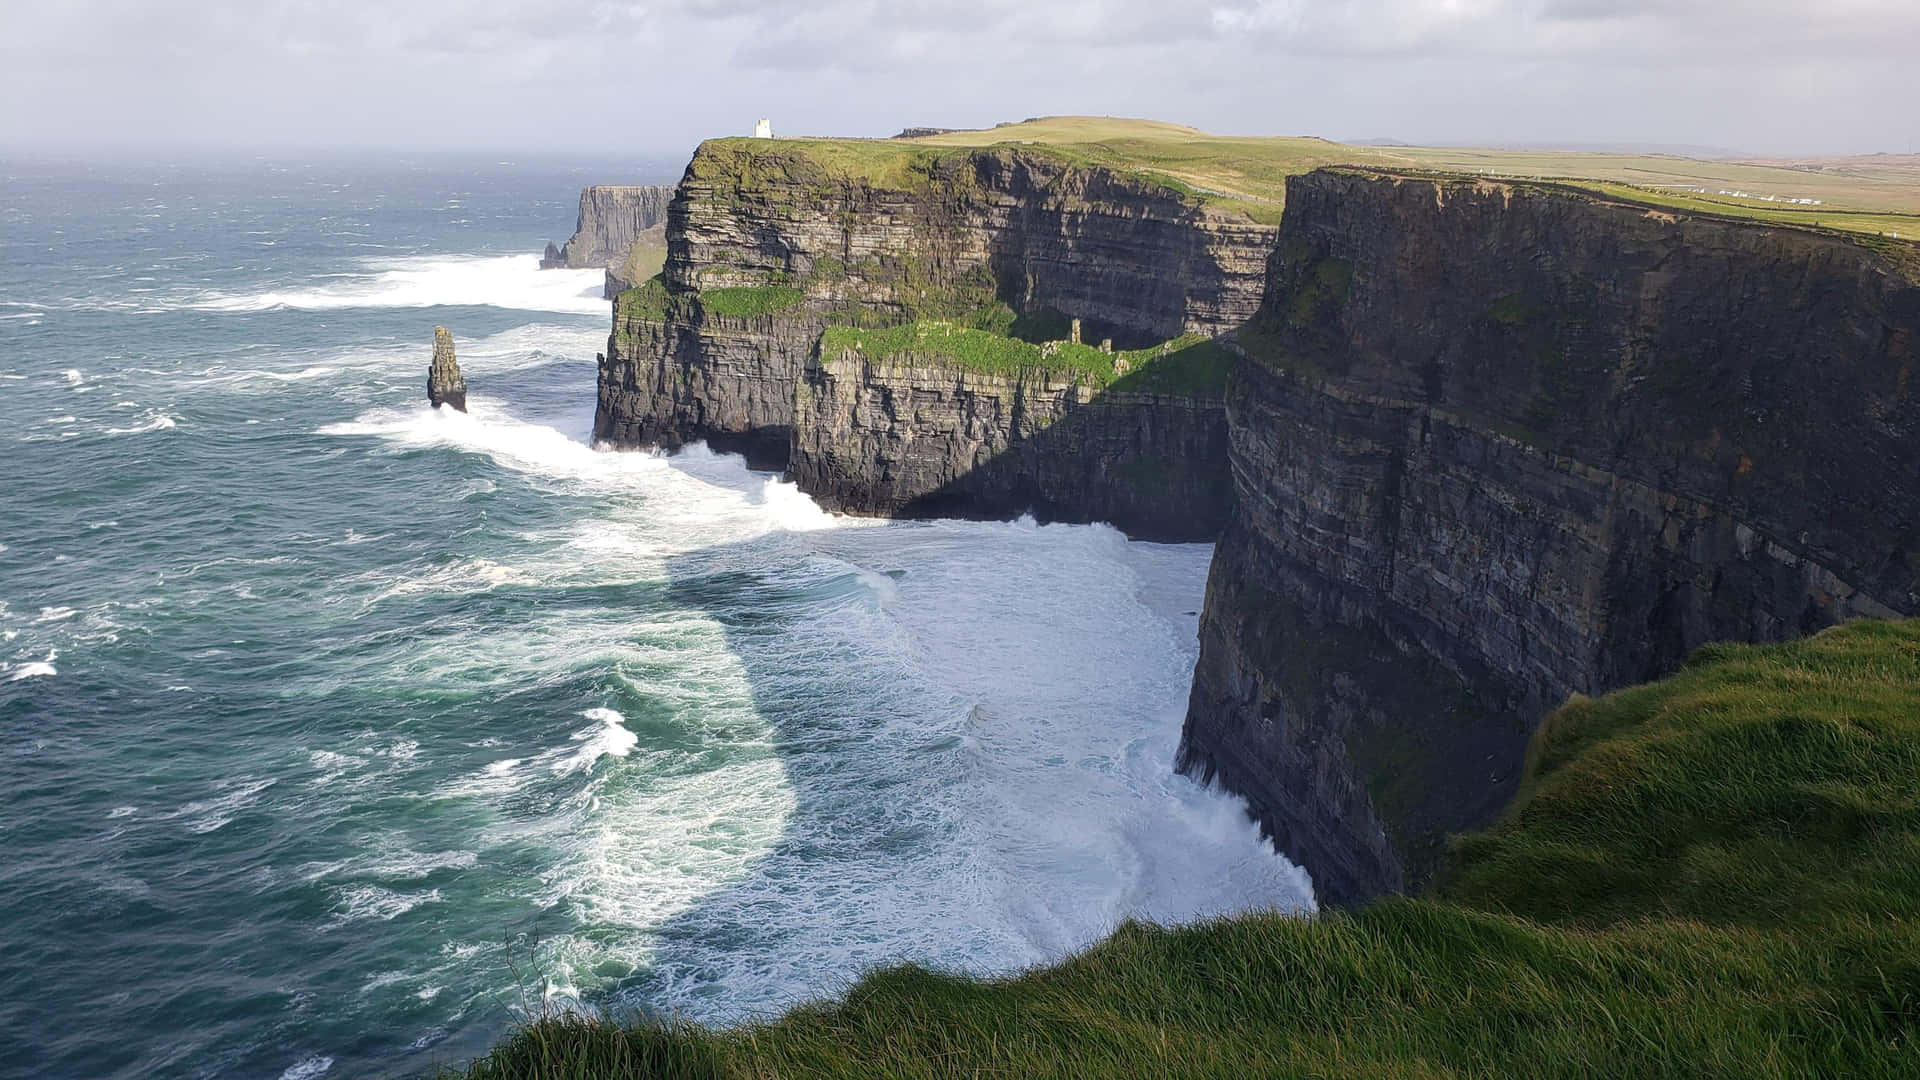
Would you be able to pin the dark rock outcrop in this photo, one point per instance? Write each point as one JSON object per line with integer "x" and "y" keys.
{"x": 612, "y": 220}
{"x": 907, "y": 438}
{"x": 445, "y": 384}
{"x": 1496, "y": 444}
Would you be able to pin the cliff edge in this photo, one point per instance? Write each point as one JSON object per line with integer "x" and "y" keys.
{"x": 1496, "y": 444}
{"x": 970, "y": 332}
{"x": 621, "y": 229}
{"x": 1468, "y": 447}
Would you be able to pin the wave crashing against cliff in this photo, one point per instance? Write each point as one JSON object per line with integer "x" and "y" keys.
{"x": 1605, "y": 438}
{"x": 933, "y": 793}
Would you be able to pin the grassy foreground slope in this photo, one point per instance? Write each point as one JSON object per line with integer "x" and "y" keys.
{"x": 1716, "y": 875}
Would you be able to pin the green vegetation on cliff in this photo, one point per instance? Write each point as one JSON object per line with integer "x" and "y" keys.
{"x": 1190, "y": 364}
{"x": 1715, "y": 875}
{"x": 749, "y": 301}
{"x": 1248, "y": 174}
{"x": 647, "y": 300}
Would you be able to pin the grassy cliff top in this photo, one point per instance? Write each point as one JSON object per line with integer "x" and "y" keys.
{"x": 1715, "y": 875}
{"x": 1879, "y": 194}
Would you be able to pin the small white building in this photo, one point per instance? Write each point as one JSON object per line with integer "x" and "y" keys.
{"x": 763, "y": 129}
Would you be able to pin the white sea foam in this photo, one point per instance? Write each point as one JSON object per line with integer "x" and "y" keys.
{"x": 155, "y": 421}
{"x": 358, "y": 902}
{"x": 391, "y": 866}
{"x": 609, "y": 739}
{"x": 308, "y": 1068}
{"x": 503, "y": 281}
{"x": 463, "y": 575}
{"x": 38, "y": 669}
{"x": 947, "y": 742}
{"x": 213, "y": 813}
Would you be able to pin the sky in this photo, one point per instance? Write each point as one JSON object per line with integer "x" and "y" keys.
{"x": 1759, "y": 77}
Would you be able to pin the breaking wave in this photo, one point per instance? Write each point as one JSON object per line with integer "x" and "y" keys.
{"x": 504, "y": 281}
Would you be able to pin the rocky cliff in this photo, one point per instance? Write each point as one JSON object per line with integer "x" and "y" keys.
{"x": 1484, "y": 445}
{"x": 614, "y": 223}
{"x": 1495, "y": 444}
{"x": 769, "y": 245}
{"x": 903, "y": 436}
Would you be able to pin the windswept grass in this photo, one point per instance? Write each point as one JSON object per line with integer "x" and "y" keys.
{"x": 1187, "y": 365}
{"x": 1763, "y": 786}
{"x": 647, "y": 300}
{"x": 749, "y": 301}
{"x": 1248, "y": 174}
{"x": 1709, "y": 876}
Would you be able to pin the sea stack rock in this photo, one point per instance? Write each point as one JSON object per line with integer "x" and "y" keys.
{"x": 445, "y": 385}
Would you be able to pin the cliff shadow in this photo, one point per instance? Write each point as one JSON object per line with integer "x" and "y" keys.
{"x": 1147, "y": 454}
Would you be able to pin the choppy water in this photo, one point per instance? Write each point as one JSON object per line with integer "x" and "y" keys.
{"x": 336, "y": 728}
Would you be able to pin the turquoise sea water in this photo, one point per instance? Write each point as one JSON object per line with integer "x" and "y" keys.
{"x": 338, "y": 731}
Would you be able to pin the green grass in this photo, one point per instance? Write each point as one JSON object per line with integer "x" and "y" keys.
{"x": 750, "y": 301}
{"x": 1763, "y": 786}
{"x": 1717, "y": 875}
{"x": 1248, "y": 174}
{"x": 647, "y": 300}
{"x": 1188, "y": 365}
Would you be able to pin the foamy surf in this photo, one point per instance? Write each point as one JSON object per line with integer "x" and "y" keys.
{"x": 609, "y": 739}
{"x": 1039, "y": 754}
{"x": 419, "y": 696}
{"x": 504, "y": 281}
{"x": 157, "y": 421}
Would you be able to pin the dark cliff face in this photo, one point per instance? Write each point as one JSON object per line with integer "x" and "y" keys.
{"x": 767, "y": 247}
{"x": 612, "y": 220}
{"x": 1495, "y": 444}
{"x": 906, "y": 439}
{"x": 1488, "y": 444}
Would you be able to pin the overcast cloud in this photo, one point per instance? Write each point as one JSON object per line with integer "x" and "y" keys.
{"x": 1821, "y": 76}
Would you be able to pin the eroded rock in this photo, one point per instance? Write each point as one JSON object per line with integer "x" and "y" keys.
{"x": 445, "y": 384}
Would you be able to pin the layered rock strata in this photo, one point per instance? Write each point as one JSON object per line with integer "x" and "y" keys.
{"x": 1496, "y": 444}
{"x": 768, "y": 246}
{"x": 612, "y": 219}
{"x": 1488, "y": 445}
{"x": 904, "y": 437}
{"x": 445, "y": 384}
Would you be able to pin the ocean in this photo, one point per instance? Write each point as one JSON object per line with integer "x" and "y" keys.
{"x": 341, "y": 733}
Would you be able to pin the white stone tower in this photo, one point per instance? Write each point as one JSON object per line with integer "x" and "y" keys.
{"x": 763, "y": 129}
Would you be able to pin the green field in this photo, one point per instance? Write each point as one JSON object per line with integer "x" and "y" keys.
{"x": 1717, "y": 875}
{"x": 1248, "y": 173}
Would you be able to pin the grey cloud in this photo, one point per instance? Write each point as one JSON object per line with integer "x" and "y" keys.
{"x": 659, "y": 74}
